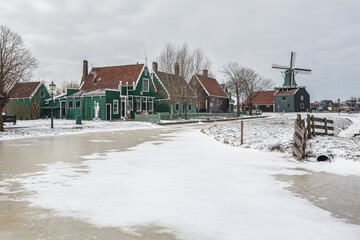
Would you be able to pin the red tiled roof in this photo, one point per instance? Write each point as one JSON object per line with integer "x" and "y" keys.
{"x": 109, "y": 77}
{"x": 289, "y": 92}
{"x": 212, "y": 86}
{"x": 263, "y": 98}
{"x": 23, "y": 89}
{"x": 173, "y": 83}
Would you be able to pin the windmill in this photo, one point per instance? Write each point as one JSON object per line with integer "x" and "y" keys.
{"x": 290, "y": 72}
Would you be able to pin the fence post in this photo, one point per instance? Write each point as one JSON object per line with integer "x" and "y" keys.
{"x": 313, "y": 125}
{"x": 299, "y": 119}
{"x": 308, "y": 125}
{"x": 242, "y": 132}
{"x": 326, "y": 127}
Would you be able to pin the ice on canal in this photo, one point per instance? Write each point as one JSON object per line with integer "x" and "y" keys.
{"x": 193, "y": 185}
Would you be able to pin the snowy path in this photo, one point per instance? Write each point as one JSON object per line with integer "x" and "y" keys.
{"x": 193, "y": 186}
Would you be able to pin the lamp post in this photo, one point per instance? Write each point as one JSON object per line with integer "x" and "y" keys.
{"x": 52, "y": 87}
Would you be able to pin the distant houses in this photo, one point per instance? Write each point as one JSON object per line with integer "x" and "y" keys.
{"x": 281, "y": 100}
{"x": 27, "y": 100}
{"x": 211, "y": 97}
{"x": 120, "y": 92}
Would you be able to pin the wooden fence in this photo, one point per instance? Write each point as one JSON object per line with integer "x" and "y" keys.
{"x": 306, "y": 129}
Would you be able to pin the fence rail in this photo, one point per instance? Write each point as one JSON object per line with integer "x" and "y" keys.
{"x": 306, "y": 129}
{"x": 147, "y": 117}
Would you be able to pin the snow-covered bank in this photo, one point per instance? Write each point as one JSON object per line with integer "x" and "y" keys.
{"x": 41, "y": 127}
{"x": 276, "y": 134}
{"x": 194, "y": 186}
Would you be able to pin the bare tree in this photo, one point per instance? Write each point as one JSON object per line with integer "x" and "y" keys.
{"x": 191, "y": 62}
{"x": 234, "y": 81}
{"x": 251, "y": 84}
{"x": 16, "y": 64}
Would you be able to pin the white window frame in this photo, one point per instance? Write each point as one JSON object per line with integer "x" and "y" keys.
{"x": 302, "y": 97}
{"x": 78, "y": 101}
{"x": 147, "y": 86}
{"x": 151, "y": 101}
{"x": 144, "y": 100}
{"x": 302, "y": 106}
{"x": 115, "y": 106}
{"x": 138, "y": 108}
{"x": 283, "y": 98}
{"x": 72, "y": 103}
{"x": 177, "y": 106}
{"x": 189, "y": 107}
{"x": 42, "y": 93}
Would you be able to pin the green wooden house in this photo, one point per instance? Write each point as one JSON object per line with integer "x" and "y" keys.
{"x": 174, "y": 89}
{"x": 119, "y": 91}
{"x": 27, "y": 100}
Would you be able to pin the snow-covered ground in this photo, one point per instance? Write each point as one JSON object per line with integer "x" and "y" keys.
{"x": 192, "y": 186}
{"x": 41, "y": 127}
{"x": 275, "y": 133}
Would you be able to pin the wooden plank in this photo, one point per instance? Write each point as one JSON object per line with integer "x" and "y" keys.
{"x": 297, "y": 153}
{"x": 308, "y": 119}
{"x": 322, "y": 120}
{"x": 298, "y": 142}
{"x": 299, "y": 130}
{"x": 323, "y": 127}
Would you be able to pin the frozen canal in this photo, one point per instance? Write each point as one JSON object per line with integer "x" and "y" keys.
{"x": 166, "y": 183}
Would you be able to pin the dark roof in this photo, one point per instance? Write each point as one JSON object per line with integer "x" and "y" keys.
{"x": 286, "y": 92}
{"x": 109, "y": 77}
{"x": 23, "y": 89}
{"x": 328, "y": 102}
{"x": 263, "y": 98}
{"x": 173, "y": 83}
{"x": 212, "y": 87}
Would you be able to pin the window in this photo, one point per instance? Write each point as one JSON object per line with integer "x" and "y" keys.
{"x": 130, "y": 103}
{"x": 302, "y": 106}
{"x": 302, "y": 98}
{"x": 144, "y": 107}
{"x": 146, "y": 72}
{"x": 283, "y": 98}
{"x": 138, "y": 104}
{"x": 206, "y": 104}
{"x": 77, "y": 104}
{"x": 145, "y": 86}
{"x": 288, "y": 105}
{"x": 70, "y": 104}
{"x": 116, "y": 106}
{"x": 42, "y": 94}
{"x": 189, "y": 106}
{"x": 151, "y": 104}
{"x": 177, "y": 107}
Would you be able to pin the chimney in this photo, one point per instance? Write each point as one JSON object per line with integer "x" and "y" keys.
{"x": 85, "y": 71}
{"x": 177, "y": 69}
{"x": 205, "y": 73}
{"x": 155, "y": 66}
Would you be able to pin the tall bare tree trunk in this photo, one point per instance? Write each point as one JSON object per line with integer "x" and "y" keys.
{"x": 1, "y": 120}
{"x": 186, "y": 113}
{"x": 171, "y": 111}
{"x": 250, "y": 109}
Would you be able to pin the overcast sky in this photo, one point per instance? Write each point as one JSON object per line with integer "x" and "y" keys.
{"x": 324, "y": 33}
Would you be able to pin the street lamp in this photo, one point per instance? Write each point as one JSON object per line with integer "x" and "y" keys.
{"x": 52, "y": 87}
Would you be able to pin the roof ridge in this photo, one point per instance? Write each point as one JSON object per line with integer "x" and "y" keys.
{"x": 127, "y": 65}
